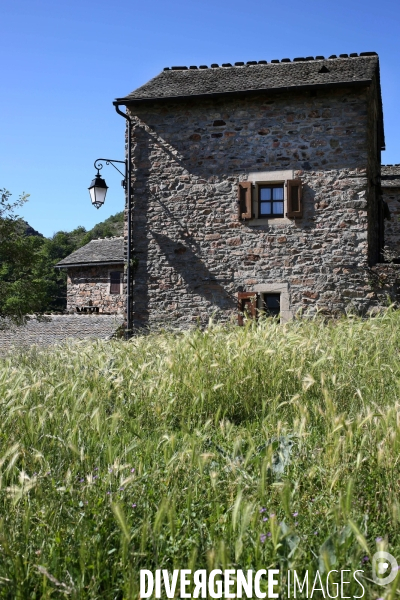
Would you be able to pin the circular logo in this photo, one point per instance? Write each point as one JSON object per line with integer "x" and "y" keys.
{"x": 381, "y": 563}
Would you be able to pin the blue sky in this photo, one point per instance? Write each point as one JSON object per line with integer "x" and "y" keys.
{"x": 63, "y": 63}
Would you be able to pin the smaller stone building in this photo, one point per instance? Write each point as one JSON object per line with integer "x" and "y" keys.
{"x": 95, "y": 277}
{"x": 390, "y": 182}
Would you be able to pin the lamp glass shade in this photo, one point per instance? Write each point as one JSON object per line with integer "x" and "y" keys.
{"x": 98, "y": 190}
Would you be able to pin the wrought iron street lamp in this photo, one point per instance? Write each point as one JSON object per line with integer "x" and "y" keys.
{"x": 98, "y": 190}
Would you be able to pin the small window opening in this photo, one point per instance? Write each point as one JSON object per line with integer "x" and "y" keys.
{"x": 115, "y": 282}
{"x": 270, "y": 201}
{"x": 271, "y": 305}
{"x": 324, "y": 69}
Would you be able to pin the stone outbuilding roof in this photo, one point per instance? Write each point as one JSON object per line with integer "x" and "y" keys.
{"x": 390, "y": 176}
{"x": 177, "y": 82}
{"x": 107, "y": 251}
{"x": 57, "y": 329}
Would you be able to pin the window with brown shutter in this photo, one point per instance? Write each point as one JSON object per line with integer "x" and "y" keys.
{"x": 247, "y": 306}
{"x": 115, "y": 282}
{"x": 244, "y": 200}
{"x": 294, "y": 199}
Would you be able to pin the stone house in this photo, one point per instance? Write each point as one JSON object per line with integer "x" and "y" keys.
{"x": 257, "y": 189}
{"x": 95, "y": 277}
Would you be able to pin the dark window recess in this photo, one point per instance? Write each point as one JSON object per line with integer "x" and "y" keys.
{"x": 115, "y": 282}
{"x": 270, "y": 201}
{"x": 247, "y": 306}
{"x": 272, "y": 304}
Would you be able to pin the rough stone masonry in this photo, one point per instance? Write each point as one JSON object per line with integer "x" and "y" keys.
{"x": 318, "y": 121}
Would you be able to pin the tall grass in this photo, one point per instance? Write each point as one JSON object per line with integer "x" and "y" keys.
{"x": 157, "y": 453}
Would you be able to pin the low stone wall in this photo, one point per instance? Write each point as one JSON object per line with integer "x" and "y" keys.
{"x": 384, "y": 280}
{"x": 57, "y": 329}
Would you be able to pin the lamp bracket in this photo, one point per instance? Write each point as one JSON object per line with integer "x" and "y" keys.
{"x": 98, "y": 164}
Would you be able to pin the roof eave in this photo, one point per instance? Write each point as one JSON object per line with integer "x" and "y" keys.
{"x": 89, "y": 264}
{"x": 127, "y": 101}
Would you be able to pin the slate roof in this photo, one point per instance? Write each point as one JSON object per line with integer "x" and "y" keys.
{"x": 181, "y": 82}
{"x": 390, "y": 176}
{"x": 96, "y": 252}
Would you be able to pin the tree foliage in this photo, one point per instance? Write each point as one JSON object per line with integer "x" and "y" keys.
{"x": 21, "y": 269}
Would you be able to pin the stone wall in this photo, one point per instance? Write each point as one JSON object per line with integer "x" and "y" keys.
{"x": 91, "y": 285}
{"x": 57, "y": 329}
{"x": 195, "y": 255}
{"x": 391, "y": 195}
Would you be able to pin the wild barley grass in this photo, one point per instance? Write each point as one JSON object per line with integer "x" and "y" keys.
{"x": 156, "y": 453}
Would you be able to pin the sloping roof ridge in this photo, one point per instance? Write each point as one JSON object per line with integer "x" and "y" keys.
{"x": 111, "y": 237}
{"x": 99, "y": 250}
{"x": 273, "y": 61}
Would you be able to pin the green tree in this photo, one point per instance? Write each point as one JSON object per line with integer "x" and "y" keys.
{"x": 21, "y": 273}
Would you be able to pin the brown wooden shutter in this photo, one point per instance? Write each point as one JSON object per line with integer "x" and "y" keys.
{"x": 115, "y": 281}
{"x": 294, "y": 199}
{"x": 247, "y": 305}
{"x": 244, "y": 200}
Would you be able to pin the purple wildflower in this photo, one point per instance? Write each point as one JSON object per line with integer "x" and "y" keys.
{"x": 365, "y": 559}
{"x": 133, "y": 505}
{"x": 262, "y": 510}
{"x": 81, "y": 480}
{"x": 265, "y": 519}
{"x": 132, "y": 470}
{"x": 263, "y": 537}
{"x": 315, "y": 532}
{"x": 121, "y": 489}
{"x": 295, "y": 514}
{"x": 272, "y": 515}
{"x": 378, "y": 539}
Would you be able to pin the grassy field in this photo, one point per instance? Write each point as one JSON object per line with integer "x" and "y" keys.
{"x": 243, "y": 448}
